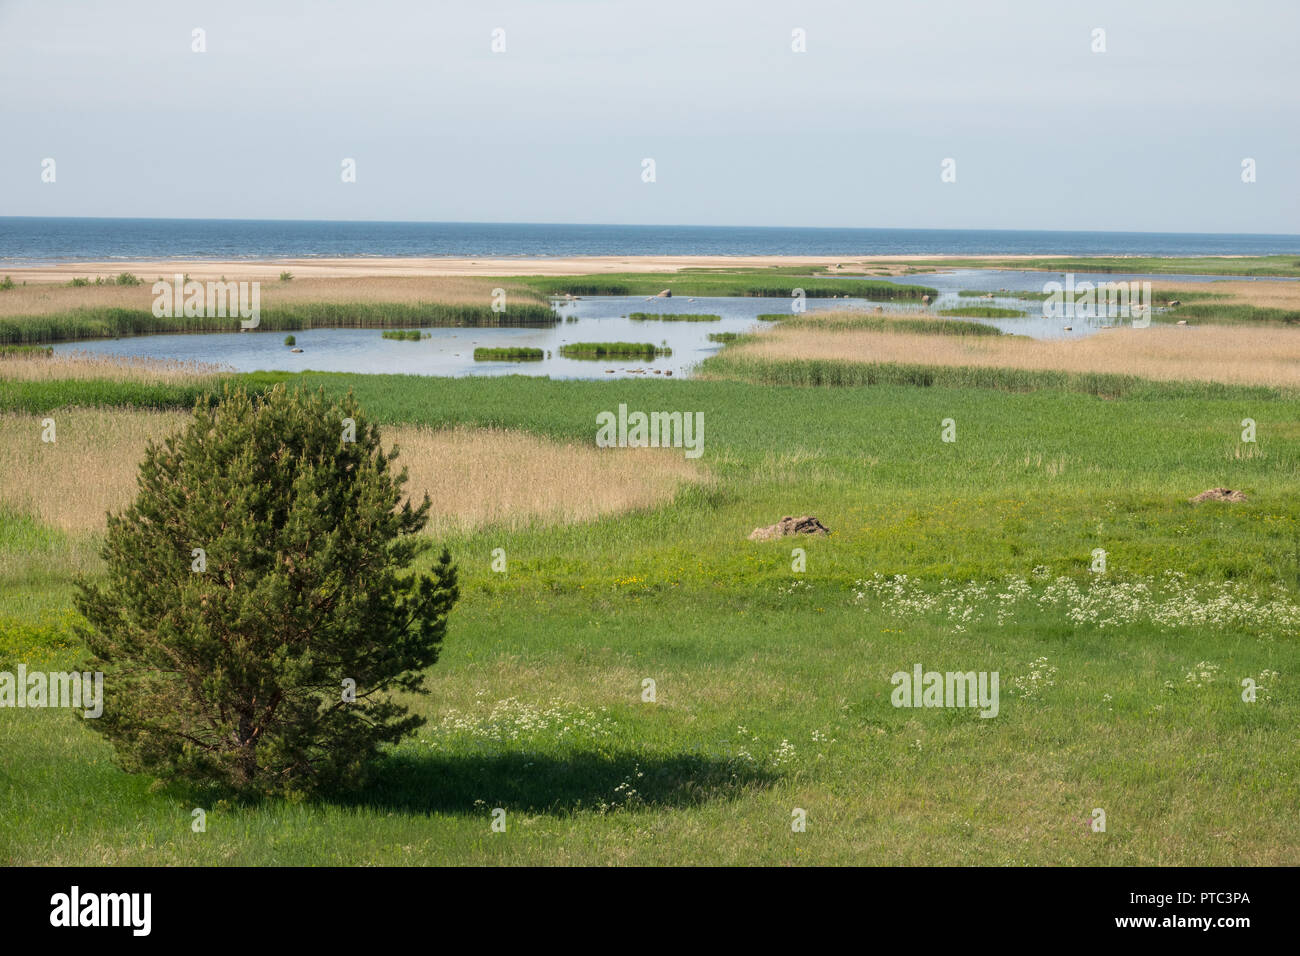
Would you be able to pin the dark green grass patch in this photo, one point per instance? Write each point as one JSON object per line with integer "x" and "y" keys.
{"x": 982, "y": 312}
{"x": 613, "y": 350}
{"x": 673, "y": 317}
{"x": 405, "y": 335}
{"x": 42, "y": 396}
{"x": 512, "y": 354}
{"x": 836, "y": 373}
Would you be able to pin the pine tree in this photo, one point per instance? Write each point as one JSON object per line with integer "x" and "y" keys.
{"x": 258, "y": 609}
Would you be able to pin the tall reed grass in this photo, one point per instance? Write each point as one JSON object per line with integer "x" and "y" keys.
{"x": 474, "y": 476}
{"x": 1229, "y": 355}
{"x": 842, "y": 373}
{"x": 45, "y": 365}
{"x": 92, "y": 323}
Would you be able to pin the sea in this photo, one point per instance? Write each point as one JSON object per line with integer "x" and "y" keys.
{"x": 30, "y": 241}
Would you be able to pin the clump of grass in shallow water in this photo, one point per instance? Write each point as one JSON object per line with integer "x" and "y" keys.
{"x": 982, "y": 312}
{"x": 584, "y": 350}
{"x": 673, "y": 317}
{"x": 405, "y": 335}
{"x": 512, "y": 354}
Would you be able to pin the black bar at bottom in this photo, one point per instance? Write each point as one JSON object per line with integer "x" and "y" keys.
{"x": 334, "y": 905}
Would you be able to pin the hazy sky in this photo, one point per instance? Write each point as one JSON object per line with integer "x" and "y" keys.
{"x": 1149, "y": 135}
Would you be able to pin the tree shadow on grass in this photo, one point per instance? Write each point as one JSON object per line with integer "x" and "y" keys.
{"x": 540, "y": 783}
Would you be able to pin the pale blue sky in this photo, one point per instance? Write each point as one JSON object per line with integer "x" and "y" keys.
{"x": 1147, "y": 136}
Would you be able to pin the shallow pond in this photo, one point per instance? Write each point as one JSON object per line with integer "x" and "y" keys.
{"x": 1021, "y": 280}
{"x": 450, "y": 351}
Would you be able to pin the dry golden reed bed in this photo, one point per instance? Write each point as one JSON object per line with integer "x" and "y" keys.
{"x": 1234, "y": 355}
{"x": 477, "y": 476}
{"x": 473, "y": 476}
{"x": 41, "y": 298}
{"x": 89, "y": 468}
{"x": 87, "y": 365}
{"x": 1265, "y": 295}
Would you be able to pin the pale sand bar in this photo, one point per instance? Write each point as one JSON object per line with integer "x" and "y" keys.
{"x": 396, "y": 266}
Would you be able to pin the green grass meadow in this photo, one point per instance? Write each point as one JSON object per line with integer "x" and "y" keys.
{"x": 772, "y": 686}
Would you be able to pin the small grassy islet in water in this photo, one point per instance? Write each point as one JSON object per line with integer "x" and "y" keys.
{"x": 508, "y": 354}
{"x": 673, "y": 317}
{"x": 603, "y": 349}
{"x": 983, "y": 312}
{"x": 405, "y": 335}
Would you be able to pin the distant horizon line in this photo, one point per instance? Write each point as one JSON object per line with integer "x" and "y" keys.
{"x": 610, "y": 225}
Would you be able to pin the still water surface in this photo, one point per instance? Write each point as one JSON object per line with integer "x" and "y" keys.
{"x": 450, "y": 351}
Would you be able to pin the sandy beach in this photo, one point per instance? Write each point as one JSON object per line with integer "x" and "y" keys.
{"x": 436, "y": 266}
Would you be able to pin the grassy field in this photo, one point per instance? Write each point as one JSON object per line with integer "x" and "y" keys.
{"x": 1119, "y": 690}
